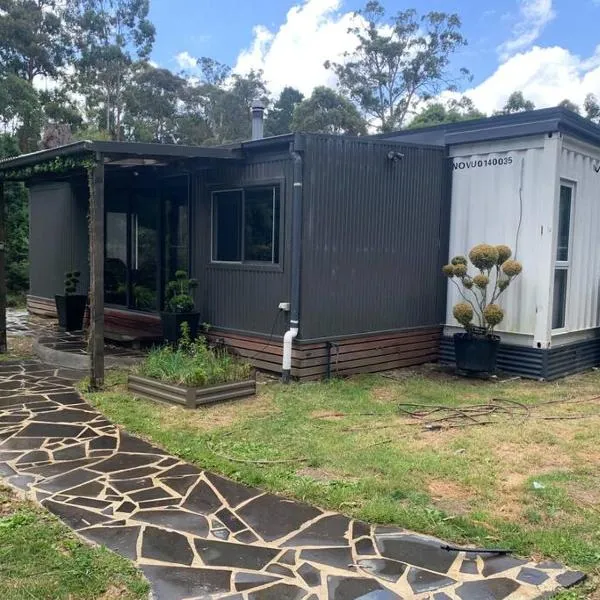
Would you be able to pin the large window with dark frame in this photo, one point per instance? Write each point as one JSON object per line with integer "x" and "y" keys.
{"x": 563, "y": 255}
{"x": 246, "y": 225}
{"x": 146, "y": 242}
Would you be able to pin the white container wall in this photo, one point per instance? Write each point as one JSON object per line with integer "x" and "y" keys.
{"x": 503, "y": 193}
{"x": 580, "y": 165}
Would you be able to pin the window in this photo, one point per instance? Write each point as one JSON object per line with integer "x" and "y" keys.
{"x": 561, "y": 265}
{"x": 146, "y": 242}
{"x": 245, "y": 225}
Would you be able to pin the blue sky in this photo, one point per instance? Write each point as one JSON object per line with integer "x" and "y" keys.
{"x": 545, "y": 47}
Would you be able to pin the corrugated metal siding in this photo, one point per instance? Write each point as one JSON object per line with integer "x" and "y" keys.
{"x": 235, "y": 297}
{"x": 372, "y": 236}
{"x": 487, "y": 207}
{"x": 583, "y": 303}
{"x": 520, "y": 360}
{"x": 573, "y": 358}
{"x": 57, "y": 239}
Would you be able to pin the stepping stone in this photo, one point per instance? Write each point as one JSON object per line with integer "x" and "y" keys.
{"x": 499, "y": 564}
{"x": 532, "y": 576}
{"x": 417, "y": 551}
{"x": 202, "y": 500}
{"x": 169, "y": 583}
{"x": 310, "y": 575}
{"x": 180, "y": 485}
{"x": 230, "y": 520}
{"x": 73, "y": 516}
{"x": 384, "y": 568}
{"x": 328, "y": 531}
{"x": 425, "y": 581}
{"x": 235, "y": 493}
{"x": 333, "y": 557}
{"x": 570, "y": 578}
{"x": 491, "y": 589}
{"x": 365, "y": 547}
{"x": 247, "y": 581}
{"x": 50, "y": 430}
{"x": 122, "y": 540}
{"x": 352, "y": 588}
{"x": 68, "y": 480}
{"x": 272, "y": 517}
{"x": 174, "y": 519}
{"x": 121, "y": 462}
{"x": 225, "y": 554}
{"x": 166, "y": 546}
{"x": 279, "y": 591}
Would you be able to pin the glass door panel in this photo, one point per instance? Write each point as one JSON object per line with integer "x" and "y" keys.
{"x": 144, "y": 253}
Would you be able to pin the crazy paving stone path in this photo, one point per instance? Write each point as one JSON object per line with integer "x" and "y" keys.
{"x": 197, "y": 535}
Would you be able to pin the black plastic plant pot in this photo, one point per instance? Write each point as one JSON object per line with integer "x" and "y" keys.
{"x": 476, "y": 354}
{"x": 172, "y": 322}
{"x": 71, "y": 310}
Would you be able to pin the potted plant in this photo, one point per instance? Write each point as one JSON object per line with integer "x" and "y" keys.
{"x": 476, "y": 349}
{"x": 179, "y": 308}
{"x": 70, "y": 306}
{"x": 192, "y": 373}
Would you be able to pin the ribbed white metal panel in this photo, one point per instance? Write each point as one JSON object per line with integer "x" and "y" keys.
{"x": 498, "y": 189}
{"x": 580, "y": 164}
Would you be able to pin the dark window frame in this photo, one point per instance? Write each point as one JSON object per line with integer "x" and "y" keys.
{"x": 161, "y": 280}
{"x": 248, "y": 264}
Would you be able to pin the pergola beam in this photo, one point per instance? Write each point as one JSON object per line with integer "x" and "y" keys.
{"x": 96, "y": 230}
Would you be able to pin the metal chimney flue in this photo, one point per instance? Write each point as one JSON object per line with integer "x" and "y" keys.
{"x": 258, "y": 112}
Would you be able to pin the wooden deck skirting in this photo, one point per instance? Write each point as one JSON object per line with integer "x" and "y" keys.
{"x": 365, "y": 354}
{"x": 368, "y": 353}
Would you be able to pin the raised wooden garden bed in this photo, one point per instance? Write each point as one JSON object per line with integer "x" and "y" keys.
{"x": 191, "y": 397}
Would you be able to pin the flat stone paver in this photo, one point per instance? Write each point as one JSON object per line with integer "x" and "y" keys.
{"x": 197, "y": 535}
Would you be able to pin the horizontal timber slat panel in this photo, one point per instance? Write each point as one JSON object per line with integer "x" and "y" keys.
{"x": 356, "y": 355}
{"x": 43, "y": 307}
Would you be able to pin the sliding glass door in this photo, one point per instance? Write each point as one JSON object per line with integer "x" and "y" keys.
{"x": 147, "y": 241}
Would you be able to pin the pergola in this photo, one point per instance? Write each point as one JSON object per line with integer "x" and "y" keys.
{"x": 96, "y": 159}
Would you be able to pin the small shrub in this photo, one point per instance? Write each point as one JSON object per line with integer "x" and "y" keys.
{"x": 179, "y": 293}
{"x": 193, "y": 363}
{"x": 71, "y": 282}
{"x": 480, "y": 313}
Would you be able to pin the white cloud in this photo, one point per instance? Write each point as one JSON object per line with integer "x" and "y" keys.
{"x": 314, "y": 31}
{"x": 185, "y": 60}
{"x": 544, "y": 75}
{"x": 534, "y": 15}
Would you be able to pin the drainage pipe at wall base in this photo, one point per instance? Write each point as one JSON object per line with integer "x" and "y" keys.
{"x": 297, "y": 196}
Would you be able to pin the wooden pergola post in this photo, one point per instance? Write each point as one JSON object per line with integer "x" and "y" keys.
{"x": 96, "y": 229}
{"x": 3, "y": 344}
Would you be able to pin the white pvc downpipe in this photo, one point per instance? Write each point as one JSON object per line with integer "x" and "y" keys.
{"x": 286, "y": 365}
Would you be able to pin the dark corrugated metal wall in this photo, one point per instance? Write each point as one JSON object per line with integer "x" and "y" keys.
{"x": 57, "y": 238}
{"x": 374, "y": 233}
{"x": 242, "y": 298}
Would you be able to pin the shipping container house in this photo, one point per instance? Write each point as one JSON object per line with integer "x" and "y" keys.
{"x": 532, "y": 181}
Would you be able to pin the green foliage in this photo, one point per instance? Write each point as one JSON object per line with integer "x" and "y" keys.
{"x": 193, "y": 363}
{"x": 326, "y": 111}
{"x": 178, "y": 296}
{"x": 453, "y": 111}
{"x": 41, "y": 558}
{"x": 480, "y": 292}
{"x": 399, "y": 62}
{"x": 17, "y": 226}
{"x": 71, "y": 282}
{"x": 279, "y": 118}
{"x": 515, "y": 103}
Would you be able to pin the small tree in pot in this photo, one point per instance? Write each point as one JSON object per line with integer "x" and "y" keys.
{"x": 477, "y": 348}
{"x": 180, "y": 306}
{"x": 70, "y": 306}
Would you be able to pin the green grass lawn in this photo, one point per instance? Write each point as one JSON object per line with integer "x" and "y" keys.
{"x": 42, "y": 559}
{"x": 348, "y": 448}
